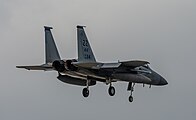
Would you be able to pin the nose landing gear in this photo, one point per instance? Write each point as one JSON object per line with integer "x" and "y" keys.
{"x": 130, "y": 98}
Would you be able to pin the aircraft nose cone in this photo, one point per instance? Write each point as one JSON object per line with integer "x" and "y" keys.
{"x": 163, "y": 81}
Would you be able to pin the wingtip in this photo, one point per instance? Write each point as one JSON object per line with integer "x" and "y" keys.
{"x": 18, "y": 66}
{"x": 80, "y": 26}
{"x": 47, "y": 28}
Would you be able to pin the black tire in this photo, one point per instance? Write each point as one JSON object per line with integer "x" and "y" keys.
{"x": 85, "y": 92}
{"x": 111, "y": 91}
{"x": 130, "y": 98}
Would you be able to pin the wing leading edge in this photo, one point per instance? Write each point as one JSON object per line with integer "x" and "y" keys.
{"x": 44, "y": 67}
{"x": 134, "y": 63}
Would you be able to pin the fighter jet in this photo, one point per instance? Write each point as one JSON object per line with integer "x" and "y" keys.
{"x": 86, "y": 71}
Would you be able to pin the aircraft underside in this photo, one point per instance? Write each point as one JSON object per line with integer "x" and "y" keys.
{"x": 86, "y": 71}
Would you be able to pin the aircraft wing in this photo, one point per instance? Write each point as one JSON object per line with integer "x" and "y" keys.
{"x": 88, "y": 65}
{"x": 134, "y": 63}
{"x": 97, "y": 65}
{"x": 44, "y": 67}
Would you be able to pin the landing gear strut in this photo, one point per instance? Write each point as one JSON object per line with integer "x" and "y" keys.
{"x": 131, "y": 88}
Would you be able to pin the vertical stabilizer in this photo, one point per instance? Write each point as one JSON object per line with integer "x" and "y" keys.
{"x": 50, "y": 46}
{"x": 85, "y": 53}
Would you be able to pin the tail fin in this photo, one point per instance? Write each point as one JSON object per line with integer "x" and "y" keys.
{"x": 85, "y": 53}
{"x": 51, "y": 51}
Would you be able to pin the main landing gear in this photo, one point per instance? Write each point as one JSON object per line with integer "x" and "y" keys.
{"x": 111, "y": 89}
{"x": 85, "y": 91}
{"x": 131, "y": 88}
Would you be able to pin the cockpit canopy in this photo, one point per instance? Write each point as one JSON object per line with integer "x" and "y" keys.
{"x": 143, "y": 69}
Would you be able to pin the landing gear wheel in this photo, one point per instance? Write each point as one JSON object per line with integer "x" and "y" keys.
{"x": 111, "y": 91}
{"x": 85, "y": 92}
{"x": 130, "y": 98}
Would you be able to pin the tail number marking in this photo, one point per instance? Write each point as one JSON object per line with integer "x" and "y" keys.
{"x": 85, "y": 43}
{"x": 87, "y": 56}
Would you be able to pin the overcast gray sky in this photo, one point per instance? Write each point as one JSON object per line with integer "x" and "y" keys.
{"x": 160, "y": 31}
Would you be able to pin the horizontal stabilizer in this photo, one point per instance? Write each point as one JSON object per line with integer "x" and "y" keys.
{"x": 44, "y": 67}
